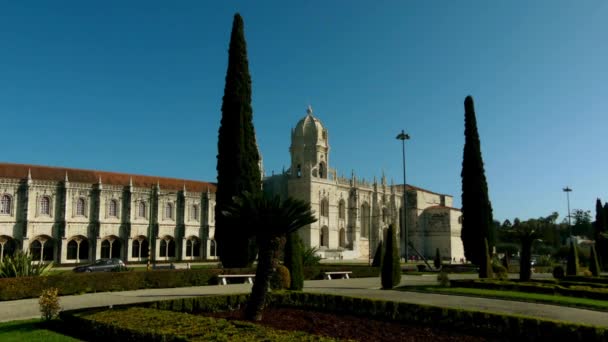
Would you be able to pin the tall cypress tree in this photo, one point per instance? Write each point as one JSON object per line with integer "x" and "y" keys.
{"x": 293, "y": 261}
{"x": 391, "y": 268}
{"x": 599, "y": 228}
{"x": 476, "y": 206}
{"x": 238, "y": 158}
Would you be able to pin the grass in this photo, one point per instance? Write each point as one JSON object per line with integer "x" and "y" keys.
{"x": 594, "y": 304}
{"x": 30, "y": 330}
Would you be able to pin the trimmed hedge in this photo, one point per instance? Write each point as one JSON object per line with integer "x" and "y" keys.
{"x": 576, "y": 290}
{"x": 470, "y": 322}
{"x": 78, "y": 283}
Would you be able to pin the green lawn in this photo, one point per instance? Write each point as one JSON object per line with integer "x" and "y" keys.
{"x": 29, "y": 330}
{"x": 593, "y": 304}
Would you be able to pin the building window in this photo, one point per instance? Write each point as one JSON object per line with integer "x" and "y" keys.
{"x": 141, "y": 211}
{"x": 167, "y": 247}
{"x": 45, "y": 205}
{"x": 80, "y": 207}
{"x": 8, "y": 246}
{"x": 193, "y": 247}
{"x": 194, "y": 213}
{"x": 5, "y": 205}
{"x": 341, "y": 210}
{"x": 140, "y": 248}
{"x": 325, "y": 207}
{"x": 78, "y": 249}
{"x": 110, "y": 248}
{"x": 342, "y": 241}
{"x": 113, "y": 209}
{"x": 324, "y": 237}
{"x": 212, "y": 248}
{"x": 169, "y": 211}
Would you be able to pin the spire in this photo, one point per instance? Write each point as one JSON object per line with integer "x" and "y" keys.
{"x": 29, "y": 176}
{"x": 99, "y": 183}
{"x": 158, "y": 185}
{"x": 66, "y": 176}
{"x": 184, "y": 190}
{"x": 309, "y": 110}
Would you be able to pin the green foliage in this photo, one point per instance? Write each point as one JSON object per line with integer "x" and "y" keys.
{"x": 49, "y": 303}
{"x": 558, "y": 272}
{"x": 391, "y": 268}
{"x": 280, "y": 279}
{"x": 594, "y": 266}
{"x": 485, "y": 267}
{"x": 500, "y": 272}
{"x": 310, "y": 256}
{"x": 437, "y": 261}
{"x": 544, "y": 260}
{"x": 443, "y": 279}
{"x": 476, "y": 206}
{"x": 238, "y": 158}
{"x": 572, "y": 265}
{"x": 31, "y": 330}
{"x": 294, "y": 262}
{"x": 377, "y": 261}
{"x": 22, "y": 265}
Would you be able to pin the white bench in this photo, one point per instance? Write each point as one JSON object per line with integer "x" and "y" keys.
{"x": 343, "y": 274}
{"x": 222, "y": 277}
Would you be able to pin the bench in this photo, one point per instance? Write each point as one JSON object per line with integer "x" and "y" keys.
{"x": 343, "y": 274}
{"x": 222, "y": 278}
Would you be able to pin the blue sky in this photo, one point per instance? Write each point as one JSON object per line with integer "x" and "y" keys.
{"x": 136, "y": 86}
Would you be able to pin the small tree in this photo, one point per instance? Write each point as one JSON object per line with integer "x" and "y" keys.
{"x": 485, "y": 267}
{"x": 594, "y": 265}
{"x": 293, "y": 261}
{"x": 377, "y": 261}
{"x": 49, "y": 303}
{"x": 437, "y": 261}
{"x": 391, "y": 269}
{"x": 572, "y": 266}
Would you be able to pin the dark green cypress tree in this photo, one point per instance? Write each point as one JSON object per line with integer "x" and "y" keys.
{"x": 485, "y": 266}
{"x": 238, "y": 158}
{"x": 391, "y": 268}
{"x": 594, "y": 265}
{"x": 599, "y": 228}
{"x": 572, "y": 265}
{"x": 293, "y": 261}
{"x": 377, "y": 261}
{"x": 437, "y": 261}
{"x": 476, "y": 206}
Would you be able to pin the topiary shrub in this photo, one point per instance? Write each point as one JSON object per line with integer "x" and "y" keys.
{"x": 500, "y": 272}
{"x": 594, "y": 266}
{"x": 391, "y": 269}
{"x": 49, "y": 303}
{"x": 443, "y": 279}
{"x": 280, "y": 279}
{"x": 293, "y": 261}
{"x": 558, "y": 272}
{"x": 377, "y": 262}
{"x": 572, "y": 266}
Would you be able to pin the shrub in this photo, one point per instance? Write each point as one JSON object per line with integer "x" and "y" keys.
{"x": 558, "y": 272}
{"x": 443, "y": 279}
{"x": 391, "y": 268}
{"x": 500, "y": 272}
{"x": 310, "y": 257}
{"x": 544, "y": 260}
{"x": 49, "y": 303}
{"x": 22, "y": 265}
{"x": 572, "y": 266}
{"x": 594, "y": 265}
{"x": 280, "y": 279}
{"x": 293, "y": 261}
{"x": 437, "y": 261}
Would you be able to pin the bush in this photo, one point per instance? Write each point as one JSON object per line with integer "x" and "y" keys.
{"x": 558, "y": 272}
{"x": 22, "y": 265}
{"x": 500, "y": 272}
{"x": 391, "y": 268}
{"x": 280, "y": 278}
{"x": 49, "y": 303}
{"x": 310, "y": 257}
{"x": 293, "y": 261}
{"x": 572, "y": 266}
{"x": 443, "y": 279}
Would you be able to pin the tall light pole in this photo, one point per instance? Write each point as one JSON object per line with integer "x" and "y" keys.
{"x": 568, "y": 190}
{"x": 403, "y": 137}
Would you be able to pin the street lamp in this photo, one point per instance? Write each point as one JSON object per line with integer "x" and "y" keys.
{"x": 568, "y": 190}
{"x": 403, "y": 137}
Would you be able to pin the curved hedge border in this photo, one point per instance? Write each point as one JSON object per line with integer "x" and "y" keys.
{"x": 78, "y": 283}
{"x": 467, "y": 321}
{"x": 579, "y": 291}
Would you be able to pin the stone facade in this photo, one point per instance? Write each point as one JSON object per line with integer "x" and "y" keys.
{"x": 354, "y": 214}
{"x": 72, "y": 216}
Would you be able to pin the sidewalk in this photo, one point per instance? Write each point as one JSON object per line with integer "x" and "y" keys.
{"x": 355, "y": 287}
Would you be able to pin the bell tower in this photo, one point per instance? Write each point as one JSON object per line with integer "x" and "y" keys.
{"x": 309, "y": 148}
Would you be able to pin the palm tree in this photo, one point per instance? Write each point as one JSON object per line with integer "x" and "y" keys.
{"x": 270, "y": 219}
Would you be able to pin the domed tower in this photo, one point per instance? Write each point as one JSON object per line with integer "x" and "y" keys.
{"x": 309, "y": 148}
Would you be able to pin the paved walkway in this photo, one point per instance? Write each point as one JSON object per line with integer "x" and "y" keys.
{"x": 359, "y": 287}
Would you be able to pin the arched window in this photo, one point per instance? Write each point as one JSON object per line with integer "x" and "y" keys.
{"x": 167, "y": 247}
{"x": 72, "y": 250}
{"x": 325, "y": 207}
{"x": 299, "y": 171}
{"x": 194, "y": 212}
{"x": 42, "y": 248}
{"x": 384, "y": 215}
{"x": 113, "y": 208}
{"x": 341, "y": 209}
{"x": 212, "y": 248}
{"x": 5, "y": 205}
{"x": 7, "y": 247}
{"x": 342, "y": 238}
{"x": 365, "y": 220}
{"x": 193, "y": 247}
{"x": 80, "y": 207}
{"x": 110, "y": 247}
{"x": 169, "y": 211}
{"x": 45, "y": 205}
{"x": 324, "y": 237}
{"x": 322, "y": 170}
{"x": 36, "y": 249}
{"x": 139, "y": 247}
{"x": 105, "y": 248}
{"x": 83, "y": 249}
{"x": 141, "y": 211}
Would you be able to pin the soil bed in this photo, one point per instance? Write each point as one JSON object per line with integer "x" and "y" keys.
{"x": 349, "y": 327}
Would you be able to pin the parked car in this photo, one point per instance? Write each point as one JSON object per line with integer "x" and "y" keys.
{"x": 102, "y": 265}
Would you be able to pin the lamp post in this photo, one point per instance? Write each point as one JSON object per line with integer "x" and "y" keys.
{"x": 403, "y": 137}
{"x": 567, "y": 190}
